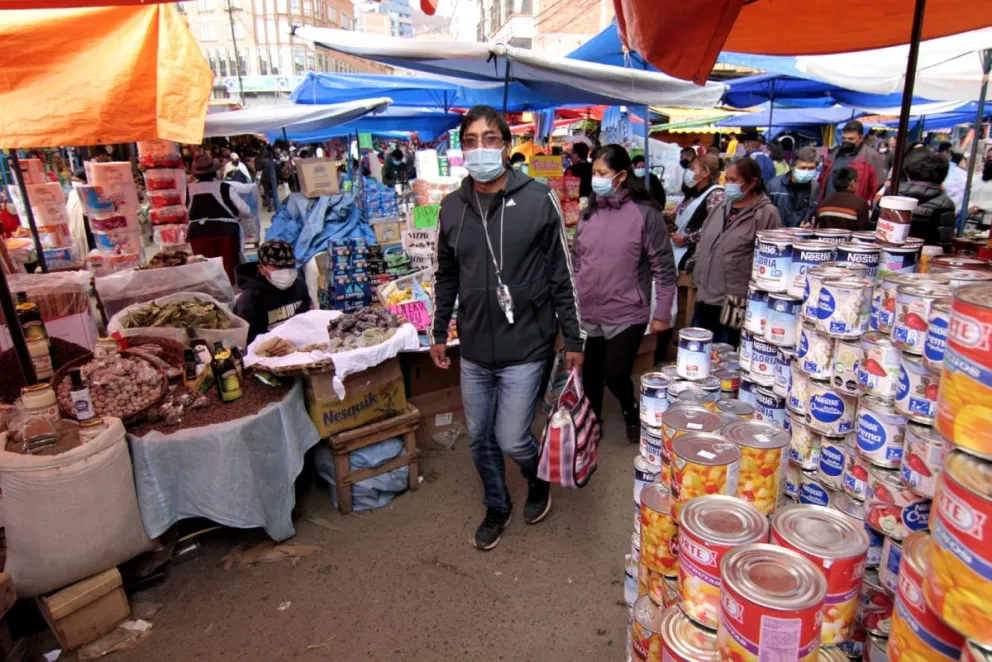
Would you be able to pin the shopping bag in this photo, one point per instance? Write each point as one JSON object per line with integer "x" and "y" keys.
{"x": 556, "y": 382}
{"x": 570, "y": 443}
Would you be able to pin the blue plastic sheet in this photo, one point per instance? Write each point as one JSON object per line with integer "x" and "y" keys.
{"x": 370, "y": 493}
{"x": 308, "y": 224}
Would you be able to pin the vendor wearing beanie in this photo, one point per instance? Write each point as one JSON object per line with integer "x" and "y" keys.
{"x": 272, "y": 290}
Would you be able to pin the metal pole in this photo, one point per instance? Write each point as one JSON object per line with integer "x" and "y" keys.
{"x": 907, "y": 95}
{"x": 973, "y": 158}
{"x": 506, "y": 87}
{"x": 16, "y": 332}
{"x": 771, "y": 111}
{"x": 237, "y": 59}
{"x": 15, "y": 165}
{"x": 647, "y": 148}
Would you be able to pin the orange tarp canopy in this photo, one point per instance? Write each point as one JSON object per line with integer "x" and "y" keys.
{"x": 684, "y": 37}
{"x": 100, "y": 76}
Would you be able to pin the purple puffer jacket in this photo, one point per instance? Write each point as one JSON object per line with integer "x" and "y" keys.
{"x": 618, "y": 251}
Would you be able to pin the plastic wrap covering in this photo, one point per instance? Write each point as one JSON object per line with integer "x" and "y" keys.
{"x": 64, "y": 302}
{"x": 237, "y": 334}
{"x": 117, "y": 291}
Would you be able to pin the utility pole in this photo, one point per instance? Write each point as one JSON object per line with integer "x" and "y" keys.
{"x": 237, "y": 58}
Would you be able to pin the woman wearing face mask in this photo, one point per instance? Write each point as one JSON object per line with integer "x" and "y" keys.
{"x": 702, "y": 194}
{"x": 980, "y": 205}
{"x": 726, "y": 249}
{"x": 796, "y": 192}
{"x": 621, "y": 248}
{"x": 395, "y": 172}
{"x": 272, "y": 289}
{"x": 648, "y": 180}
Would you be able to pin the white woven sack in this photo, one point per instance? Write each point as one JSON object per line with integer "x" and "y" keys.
{"x": 236, "y": 335}
{"x": 72, "y": 515}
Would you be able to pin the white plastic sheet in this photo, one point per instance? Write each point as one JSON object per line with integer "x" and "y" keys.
{"x": 237, "y": 334}
{"x": 64, "y": 302}
{"x": 120, "y": 290}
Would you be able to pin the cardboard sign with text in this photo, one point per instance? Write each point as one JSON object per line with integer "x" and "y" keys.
{"x": 546, "y": 166}
{"x": 425, "y": 216}
{"x": 415, "y": 312}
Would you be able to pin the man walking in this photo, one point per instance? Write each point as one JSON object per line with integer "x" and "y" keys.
{"x": 754, "y": 146}
{"x": 501, "y": 250}
{"x": 856, "y": 154}
{"x": 796, "y": 192}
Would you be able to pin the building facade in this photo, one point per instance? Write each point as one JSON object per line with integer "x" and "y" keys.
{"x": 550, "y": 26}
{"x": 393, "y": 18}
{"x": 252, "y": 37}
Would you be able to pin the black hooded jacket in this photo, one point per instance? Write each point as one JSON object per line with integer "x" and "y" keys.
{"x": 933, "y": 219}
{"x": 527, "y": 232}
{"x": 263, "y": 305}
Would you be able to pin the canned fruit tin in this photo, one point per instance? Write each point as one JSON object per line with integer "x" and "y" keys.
{"x": 780, "y": 325}
{"x": 899, "y": 259}
{"x": 684, "y": 641}
{"x": 804, "y": 449}
{"x": 793, "y": 480}
{"x": 671, "y": 591}
{"x": 658, "y": 530}
{"x": 854, "y": 510}
{"x": 875, "y": 610}
{"x": 834, "y": 452}
{"x": 652, "y": 448}
{"x": 829, "y": 412}
{"x": 965, "y": 408}
{"x": 702, "y": 463}
{"x": 879, "y": 367}
{"x": 959, "y": 585}
{"x": 814, "y": 280}
{"x": 712, "y": 526}
{"x": 917, "y": 632}
{"x": 891, "y": 509}
{"x": 843, "y": 307}
{"x": 719, "y": 348}
{"x": 846, "y": 355}
{"x": 922, "y": 459}
{"x": 879, "y": 432}
{"x": 807, "y": 255}
{"x": 747, "y": 348}
{"x": 763, "y": 358}
{"x": 783, "y": 372}
{"x": 774, "y": 262}
{"x": 769, "y": 407}
{"x": 888, "y": 569}
{"x": 771, "y": 605}
{"x": 814, "y": 493}
{"x": 798, "y": 395}
{"x": 654, "y": 398}
{"x": 756, "y": 313}
{"x": 696, "y": 397}
{"x": 916, "y": 395}
{"x": 883, "y": 302}
{"x": 861, "y": 254}
{"x": 730, "y": 380}
{"x": 913, "y": 303}
{"x": 644, "y": 474}
{"x": 856, "y": 476}
{"x": 655, "y": 584}
{"x": 972, "y": 651}
{"x": 693, "y": 360}
{"x": 646, "y": 642}
{"x": 683, "y": 419}
{"x": 836, "y": 546}
{"x": 936, "y": 340}
{"x": 944, "y": 263}
{"x": 814, "y": 352}
{"x": 741, "y": 410}
{"x": 764, "y": 452}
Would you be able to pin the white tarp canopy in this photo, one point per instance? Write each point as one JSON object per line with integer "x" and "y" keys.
{"x": 295, "y": 118}
{"x": 949, "y": 69}
{"x": 564, "y": 80}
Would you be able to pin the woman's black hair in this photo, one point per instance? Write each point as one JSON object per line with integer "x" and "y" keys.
{"x": 750, "y": 171}
{"x": 617, "y": 159}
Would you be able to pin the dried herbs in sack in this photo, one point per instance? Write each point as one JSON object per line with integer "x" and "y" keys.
{"x": 170, "y": 316}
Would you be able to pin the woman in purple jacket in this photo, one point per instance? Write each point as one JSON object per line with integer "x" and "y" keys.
{"x": 621, "y": 247}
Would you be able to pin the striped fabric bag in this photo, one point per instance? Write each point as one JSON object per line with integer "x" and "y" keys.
{"x": 570, "y": 444}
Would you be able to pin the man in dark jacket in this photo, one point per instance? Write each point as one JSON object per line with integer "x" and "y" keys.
{"x": 395, "y": 171}
{"x": 272, "y": 290}
{"x": 581, "y": 168}
{"x": 855, "y": 153}
{"x": 795, "y": 193}
{"x": 933, "y": 219}
{"x": 501, "y": 250}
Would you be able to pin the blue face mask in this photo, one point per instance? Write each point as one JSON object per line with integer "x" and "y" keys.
{"x": 733, "y": 191}
{"x": 397, "y": 161}
{"x": 485, "y": 165}
{"x": 603, "y": 186}
{"x": 689, "y": 178}
{"x": 803, "y": 176}
{"x": 639, "y": 173}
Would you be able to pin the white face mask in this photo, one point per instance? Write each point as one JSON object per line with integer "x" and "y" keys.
{"x": 282, "y": 278}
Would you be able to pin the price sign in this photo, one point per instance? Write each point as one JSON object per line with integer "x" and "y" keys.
{"x": 549, "y": 167}
{"x": 415, "y": 313}
{"x": 365, "y": 141}
{"x": 425, "y": 216}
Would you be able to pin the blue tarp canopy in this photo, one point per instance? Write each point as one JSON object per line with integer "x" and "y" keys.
{"x": 784, "y": 118}
{"x": 943, "y": 121}
{"x": 428, "y": 123}
{"x": 606, "y": 48}
{"x": 791, "y": 90}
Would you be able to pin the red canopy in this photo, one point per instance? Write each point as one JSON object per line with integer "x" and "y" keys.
{"x": 684, "y": 37}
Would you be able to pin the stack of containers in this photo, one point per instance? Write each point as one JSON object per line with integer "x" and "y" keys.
{"x": 378, "y": 201}
{"x": 165, "y": 190}
{"x": 50, "y": 215}
{"x": 110, "y": 200}
{"x": 349, "y": 288}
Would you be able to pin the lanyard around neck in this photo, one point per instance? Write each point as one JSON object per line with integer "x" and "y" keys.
{"x": 489, "y": 244}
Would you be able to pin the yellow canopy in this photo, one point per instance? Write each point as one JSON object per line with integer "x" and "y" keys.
{"x": 100, "y": 75}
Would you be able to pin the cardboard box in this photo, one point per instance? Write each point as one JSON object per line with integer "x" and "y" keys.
{"x": 425, "y": 377}
{"x": 317, "y": 177}
{"x": 87, "y": 610}
{"x": 370, "y": 396}
{"x": 440, "y": 411}
{"x": 645, "y": 355}
{"x": 387, "y": 230}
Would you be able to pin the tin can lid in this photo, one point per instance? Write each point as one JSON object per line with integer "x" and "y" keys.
{"x": 943, "y": 305}
{"x": 820, "y": 531}
{"x": 655, "y": 380}
{"x": 825, "y": 271}
{"x": 641, "y": 464}
{"x": 756, "y": 434}
{"x": 647, "y": 614}
{"x": 915, "y": 551}
{"x": 706, "y": 448}
{"x": 832, "y": 232}
{"x": 979, "y": 294}
{"x": 696, "y": 333}
{"x": 723, "y": 520}
{"x": 831, "y": 654}
{"x": 877, "y": 404}
{"x": 728, "y": 417}
{"x": 726, "y": 373}
{"x": 871, "y": 579}
{"x": 960, "y": 261}
{"x": 732, "y": 366}
{"x": 736, "y": 407}
{"x": 694, "y": 396}
{"x": 859, "y": 247}
{"x": 774, "y": 577}
{"x": 897, "y": 277}
{"x": 925, "y": 290}
{"x": 686, "y": 639}
{"x": 851, "y": 283}
{"x": 691, "y": 419}
{"x": 848, "y": 505}
{"x": 973, "y": 473}
{"x": 656, "y": 497}
{"x": 858, "y": 270}
{"x": 967, "y": 275}
{"x": 35, "y": 388}
{"x": 814, "y": 244}
{"x": 677, "y": 387}
{"x": 924, "y": 433}
{"x": 709, "y": 383}
{"x": 671, "y": 370}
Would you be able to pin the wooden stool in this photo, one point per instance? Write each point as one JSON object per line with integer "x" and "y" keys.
{"x": 404, "y": 425}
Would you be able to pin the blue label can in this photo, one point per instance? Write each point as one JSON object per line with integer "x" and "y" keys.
{"x": 805, "y": 256}
{"x": 861, "y": 254}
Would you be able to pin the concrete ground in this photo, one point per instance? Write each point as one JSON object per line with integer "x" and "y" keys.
{"x": 404, "y": 584}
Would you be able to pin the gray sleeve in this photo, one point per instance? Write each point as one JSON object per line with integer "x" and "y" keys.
{"x": 657, "y": 245}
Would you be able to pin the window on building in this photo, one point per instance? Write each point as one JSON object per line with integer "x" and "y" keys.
{"x": 332, "y": 14}
{"x": 204, "y": 5}
{"x": 294, "y": 7}
{"x": 525, "y": 7}
{"x": 212, "y": 61}
{"x": 263, "y": 66}
{"x": 299, "y": 63}
{"x": 311, "y": 62}
{"x": 270, "y": 7}
{"x": 307, "y": 7}
{"x": 208, "y": 32}
{"x": 243, "y": 63}
{"x": 184, "y": 7}
{"x": 270, "y": 32}
{"x": 239, "y": 29}
{"x": 222, "y": 63}
{"x": 346, "y": 22}
{"x": 274, "y": 63}
{"x": 283, "y": 29}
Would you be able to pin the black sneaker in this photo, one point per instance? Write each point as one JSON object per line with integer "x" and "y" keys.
{"x": 633, "y": 432}
{"x": 538, "y": 501}
{"x": 488, "y": 534}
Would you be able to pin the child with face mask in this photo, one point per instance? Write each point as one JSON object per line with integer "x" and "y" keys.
{"x": 272, "y": 289}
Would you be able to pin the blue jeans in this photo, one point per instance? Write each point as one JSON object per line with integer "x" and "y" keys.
{"x": 499, "y": 410}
